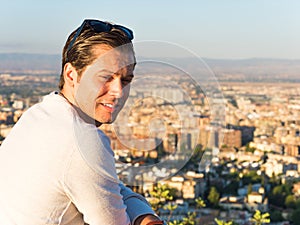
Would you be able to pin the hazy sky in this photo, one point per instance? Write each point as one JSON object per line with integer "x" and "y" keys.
{"x": 211, "y": 28}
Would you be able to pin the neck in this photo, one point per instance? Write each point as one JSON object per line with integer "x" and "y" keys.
{"x": 81, "y": 114}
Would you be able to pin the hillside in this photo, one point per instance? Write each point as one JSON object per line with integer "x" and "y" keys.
{"x": 256, "y": 69}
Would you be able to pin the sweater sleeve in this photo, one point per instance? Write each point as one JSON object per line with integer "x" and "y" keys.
{"x": 136, "y": 204}
{"x": 97, "y": 198}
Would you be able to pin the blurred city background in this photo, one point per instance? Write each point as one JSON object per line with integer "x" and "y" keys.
{"x": 232, "y": 141}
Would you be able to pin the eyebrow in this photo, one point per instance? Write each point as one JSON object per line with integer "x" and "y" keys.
{"x": 111, "y": 72}
{"x": 105, "y": 70}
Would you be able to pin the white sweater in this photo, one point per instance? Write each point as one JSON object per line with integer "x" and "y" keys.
{"x": 57, "y": 169}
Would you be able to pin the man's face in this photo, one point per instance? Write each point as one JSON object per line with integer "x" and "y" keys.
{"x": 104, "y": 85}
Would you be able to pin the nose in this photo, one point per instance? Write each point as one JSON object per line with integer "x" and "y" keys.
{"x": 116, "y": 88}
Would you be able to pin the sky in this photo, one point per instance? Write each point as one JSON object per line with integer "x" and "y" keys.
{"x": 222, "y": 29}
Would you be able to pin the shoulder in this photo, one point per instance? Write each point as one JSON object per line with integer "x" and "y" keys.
{"x": 52, "y": 110}
{"x": 58, "y": 125}
{"x": 94, "y": 148}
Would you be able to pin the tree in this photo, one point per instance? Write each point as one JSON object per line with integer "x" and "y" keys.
{"x": 190, "y": 219}
{"x": 222, "y": 222}
{"x": 258, "y": 218}
{"x": 213, "y": 196}
{"x": 296, "y": 217}
{"x": 297, "y": 203}
{"x": 196, "y": 157}
{"x": 200, "y": 203}
{"x": 290, "y": 201}
{"x": 232, "y": 187}
{"x": 250, "y": 149}
{"x": 171, "y": 207}
{"x": 276, "y": 216}
{"x": 251, "y": 178}
{"x": 249, "y": 191}
{"x": 176, "y": 222}
{"x": 279, "y": 194}
{"x": 159, "y": 196}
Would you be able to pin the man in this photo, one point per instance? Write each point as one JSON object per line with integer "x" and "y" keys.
{"x": 56, "y": 166}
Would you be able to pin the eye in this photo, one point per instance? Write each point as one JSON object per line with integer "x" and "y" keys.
{"x": 105, "y": 78}
{"x": 126, "y": 80}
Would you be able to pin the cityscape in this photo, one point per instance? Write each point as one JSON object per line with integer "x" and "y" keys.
{"x": 236, "y": 147}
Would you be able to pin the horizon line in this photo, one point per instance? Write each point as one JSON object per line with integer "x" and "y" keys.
{"x": 173, "y": 57}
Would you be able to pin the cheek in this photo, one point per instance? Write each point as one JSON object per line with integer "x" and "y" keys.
{"x": 87, "y": 85}
{"x": 126, "y": 91}
{"x": 102, "y": 90}
{"x": 125, "y": 95}
{"x": 93, "y": 88}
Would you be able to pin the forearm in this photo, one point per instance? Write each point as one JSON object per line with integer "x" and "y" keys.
{"x": 95, "y": 195}
{"x": 138, "y": 209}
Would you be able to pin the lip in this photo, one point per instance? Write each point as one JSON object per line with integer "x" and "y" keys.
{"x": 107, "y": 107}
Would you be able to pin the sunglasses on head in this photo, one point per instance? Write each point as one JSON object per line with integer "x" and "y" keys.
{"x": 100, "y": 26}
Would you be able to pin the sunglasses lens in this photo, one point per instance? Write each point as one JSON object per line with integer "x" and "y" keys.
{"x": 99, "y": 26}
{"x": 127, "y": 31}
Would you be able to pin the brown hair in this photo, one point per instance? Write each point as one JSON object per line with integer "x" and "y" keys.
{"x": 81, "y": 53}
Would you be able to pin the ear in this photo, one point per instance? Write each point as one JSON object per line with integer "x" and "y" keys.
{"x": 70, "y": 75}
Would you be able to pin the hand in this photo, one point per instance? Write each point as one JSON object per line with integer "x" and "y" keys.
{"x": 145, "y": 219}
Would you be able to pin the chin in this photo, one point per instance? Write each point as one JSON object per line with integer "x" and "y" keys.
{"x": 105, "y": 121}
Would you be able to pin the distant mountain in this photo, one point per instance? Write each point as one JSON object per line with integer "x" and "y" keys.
{"x": 35, "y": 63}
{"x": 255, "y": 69}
